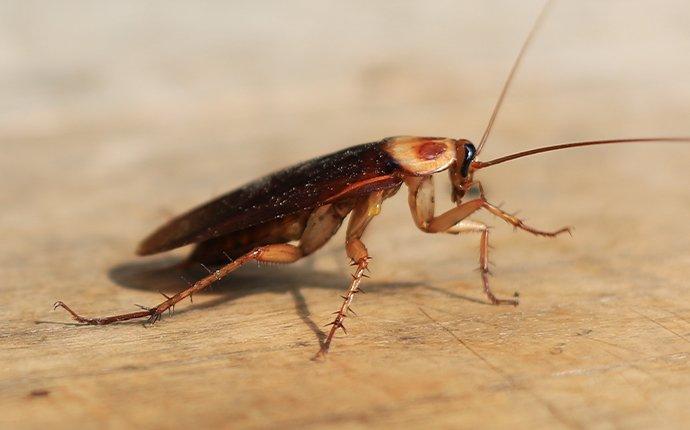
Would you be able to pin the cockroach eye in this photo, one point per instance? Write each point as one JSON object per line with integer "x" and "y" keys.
{"x": 470, "y": 153}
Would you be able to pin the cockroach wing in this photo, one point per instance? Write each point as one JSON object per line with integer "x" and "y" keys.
{"x": 352, "y": 171}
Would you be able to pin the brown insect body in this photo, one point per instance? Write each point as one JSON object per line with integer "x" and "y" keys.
{"x": 276, "y": 208}
{"x": 294, "y": 190}
{"x": 291, "y": 213}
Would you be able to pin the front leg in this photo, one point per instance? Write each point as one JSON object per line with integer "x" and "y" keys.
{"x": 515, "y": 221}
{"x": 518, "y": 223}
{"x": 421, "y": 202}
{"x": 454, "y": 221}
{"x": 469, "y": 226}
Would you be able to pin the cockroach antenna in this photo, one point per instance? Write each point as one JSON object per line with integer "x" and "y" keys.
{"x": 476, "y": 165}
{"x": 509, "y": 80}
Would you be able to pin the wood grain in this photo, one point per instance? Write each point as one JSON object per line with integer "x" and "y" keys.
{"x": 114, "y": 117}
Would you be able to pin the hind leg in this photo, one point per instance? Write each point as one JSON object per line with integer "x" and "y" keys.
{"x": 279, "y": 253}
{"x": 322, "y": 225}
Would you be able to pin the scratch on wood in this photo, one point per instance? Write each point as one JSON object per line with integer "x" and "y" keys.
{"x": 661, "y": 325}
{"x": 675, "y": 314}
{"x": 557, "y": 414}
{"x": 605, "y": 342}
{"x": 462, "y": 342}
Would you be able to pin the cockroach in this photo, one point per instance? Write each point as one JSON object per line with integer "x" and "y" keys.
{"x": 290, "y": 214}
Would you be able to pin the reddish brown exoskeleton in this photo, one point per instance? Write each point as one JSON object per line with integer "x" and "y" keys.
{"x": 291, "y": 213}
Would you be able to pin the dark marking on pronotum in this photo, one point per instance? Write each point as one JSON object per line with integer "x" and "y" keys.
{"x": 431, "y": 150}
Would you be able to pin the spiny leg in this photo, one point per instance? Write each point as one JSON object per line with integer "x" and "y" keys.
{"x": 518, "y": 223}
{"x": 364, "y": 211}
{"x": 484, "y": 270}
{"x": 515, "y": 221}
{"x": 278, "y": 253}
{"x": 421, "y": 202}
{"x": 322, "y": 225}
{"x": 470, "y": 226}
{"x": 341, "y": 313}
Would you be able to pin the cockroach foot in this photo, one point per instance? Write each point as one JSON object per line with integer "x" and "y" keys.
{"x": 76, "y": 316}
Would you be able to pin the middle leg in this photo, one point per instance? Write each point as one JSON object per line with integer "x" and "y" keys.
{"x": 363, "y": 212}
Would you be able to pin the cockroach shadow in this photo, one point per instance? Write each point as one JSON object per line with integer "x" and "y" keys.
{"x": 170, "y": 275}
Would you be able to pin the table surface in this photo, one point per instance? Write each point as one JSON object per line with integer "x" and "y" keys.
{"x": 114, "y": 117}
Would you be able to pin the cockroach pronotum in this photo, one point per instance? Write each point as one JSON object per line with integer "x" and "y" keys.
{"x": 290, "y": 214}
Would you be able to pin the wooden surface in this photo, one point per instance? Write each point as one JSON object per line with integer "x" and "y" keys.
{"x": 115, "y": 116}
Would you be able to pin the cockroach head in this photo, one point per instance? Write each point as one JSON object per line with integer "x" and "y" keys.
{"x": 466, "y": 153}
{"x": 461, "y": 171}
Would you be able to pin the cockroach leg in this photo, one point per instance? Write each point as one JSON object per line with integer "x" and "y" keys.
{"x": 484, "y": 270}
{"x": 278, "y": 253}
{"x": 469, "y": 226}
{"x": 518, "y": 223}
{"x": 364, "y": 211}
{"x": 342, "y": 312}
{"x": 322, "y": 225}
{"x": 515, "y": 221}
{"x": 101, "y": 321}
{"x": 421, "y": 201}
